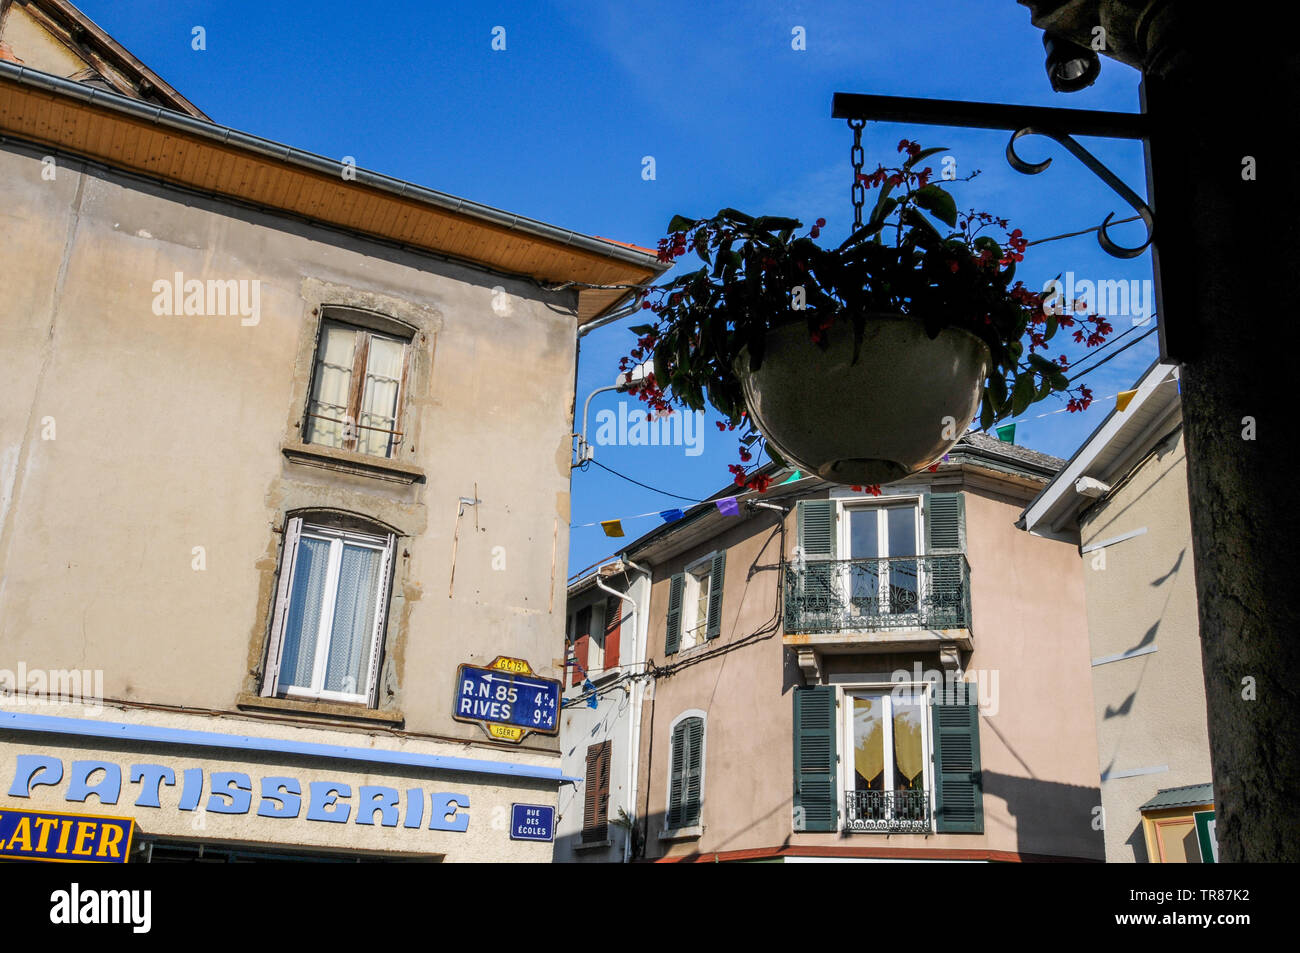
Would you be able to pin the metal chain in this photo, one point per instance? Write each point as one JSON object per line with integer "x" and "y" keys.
{"x": 857, "y": 157}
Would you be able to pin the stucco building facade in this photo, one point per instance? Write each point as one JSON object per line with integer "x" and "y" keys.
{"x": 1122, "y": 499}
{"x": 836, "y": 675}
{"x": 267, "y": 480}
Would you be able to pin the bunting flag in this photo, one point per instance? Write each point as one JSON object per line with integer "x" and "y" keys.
{"x": 1007, "y": 433}
{"x": 728, "y": 506}
{"x": 592, "y": 700}
{"x": 671, "y": 516}
{"x": 612, "y": 527}
{"x": 1123, "y": 398}
{"x": 794, "y": 478}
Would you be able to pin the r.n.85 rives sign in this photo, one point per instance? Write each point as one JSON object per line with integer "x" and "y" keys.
{"x": 507, "y": 699}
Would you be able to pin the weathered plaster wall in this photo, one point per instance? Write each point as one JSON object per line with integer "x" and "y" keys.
{"x": 168, "y": 433}
{"x": 1150, "y": 709}
{"x": 1037, "y": 745}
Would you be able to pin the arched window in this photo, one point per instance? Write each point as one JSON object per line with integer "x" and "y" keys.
{"x": 327, "y": 628}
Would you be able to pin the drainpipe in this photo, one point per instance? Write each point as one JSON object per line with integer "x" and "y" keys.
{"x": 634, "y": 740}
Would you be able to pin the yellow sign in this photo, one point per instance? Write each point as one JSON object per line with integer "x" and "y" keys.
{"x": 506, "y": 732}
{"x": 504, "y": 663}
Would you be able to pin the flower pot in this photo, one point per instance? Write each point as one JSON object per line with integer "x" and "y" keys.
{"x": 875, "y": 421}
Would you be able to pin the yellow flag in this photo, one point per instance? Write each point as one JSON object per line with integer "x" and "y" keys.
{"x": 612, "y": 527}
{"x": 1122, "y": 399}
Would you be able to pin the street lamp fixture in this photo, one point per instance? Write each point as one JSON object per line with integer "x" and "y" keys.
{"x": 1070, "y": 67}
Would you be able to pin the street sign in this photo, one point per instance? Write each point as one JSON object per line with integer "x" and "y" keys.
{"x": 507, "y": 699}
{"x": 532, "y": 822}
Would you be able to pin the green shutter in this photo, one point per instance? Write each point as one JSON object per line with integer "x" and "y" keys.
{"x": 816, "y": 520}
{"x": 959, "y": 790}
{"x": 815, "y": 762}
{"x": 686, "y": 773}
{"x": 817, "y": 592}
{"x": 675, "y": 588}
{"x": 694, "y": 771}
{"x": 945, "y": 522}
{"x": 945, "y": 533}
{"x": 714, "y": 628}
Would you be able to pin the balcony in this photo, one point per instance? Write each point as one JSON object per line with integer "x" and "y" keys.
{"x": 884, "y": 604}
{"x": 887, "y": 812}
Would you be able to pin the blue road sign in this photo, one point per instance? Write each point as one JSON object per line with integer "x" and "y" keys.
{"x": 500, "y": 697}
{"x": 532, "y": 822}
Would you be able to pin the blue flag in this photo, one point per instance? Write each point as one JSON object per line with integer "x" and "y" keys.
{"x": 671, "y": 516}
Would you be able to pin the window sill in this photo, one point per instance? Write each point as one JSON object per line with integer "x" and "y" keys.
{"x": 347, "y": 461}
{"x": 694, "y": 832}
{"x": 593, "y": 844}
{"x": 300, "y": 706}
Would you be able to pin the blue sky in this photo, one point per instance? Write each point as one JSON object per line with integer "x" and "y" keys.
{"x": 555, "y": 127}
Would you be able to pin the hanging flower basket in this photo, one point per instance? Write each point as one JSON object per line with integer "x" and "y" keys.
{"x": 861, "y": 363}
{"x": 901, "y": 405}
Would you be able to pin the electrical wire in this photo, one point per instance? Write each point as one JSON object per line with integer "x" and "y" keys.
{"x": 1148, "y": 333}
{"x": 645, "y": 486}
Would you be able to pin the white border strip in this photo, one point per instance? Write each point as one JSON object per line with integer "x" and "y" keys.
{"x": 1120, "y": 656}
{"x": 1111, "y": 542}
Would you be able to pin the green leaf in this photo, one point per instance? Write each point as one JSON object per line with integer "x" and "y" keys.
{"x": 775, "y": 457}
{"x": 922, "y": 155}
{"x": 987, "y": 413}
{"x": 1022, "y": 395}
{"x": 938, "y": 203}
{"x": 640, "y": 330}
{"x": 997, "y": 393}
{"x": 736, "y": 216}
{"x": 681, "y": 223}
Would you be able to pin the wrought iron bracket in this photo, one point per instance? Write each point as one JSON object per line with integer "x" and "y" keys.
{"x": 1060, "y": 125}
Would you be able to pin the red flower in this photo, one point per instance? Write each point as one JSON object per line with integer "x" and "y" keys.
{"x": 820, "y": 223}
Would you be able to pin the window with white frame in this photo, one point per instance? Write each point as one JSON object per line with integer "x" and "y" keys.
{"x": 331, "y": 604}
{"x": 695, "y": 603}
{"x": 881, "y": 542}
{"x": 885, "y": 776}
{"x": 695, "y": 617}
{"x": 358, "y": 383}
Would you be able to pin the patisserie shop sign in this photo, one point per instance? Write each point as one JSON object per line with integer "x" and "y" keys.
{"x": 233, "y": 792}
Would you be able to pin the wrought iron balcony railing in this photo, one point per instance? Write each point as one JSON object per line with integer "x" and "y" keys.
{"x": 887, "y": 811}
{"x": 898, "y": 592}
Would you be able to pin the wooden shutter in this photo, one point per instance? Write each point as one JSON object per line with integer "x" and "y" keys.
{"x": 595, "y": 812}
{"x": 581, "y": 644}
{"x": 816, "y": 519}
{"x": 613, "y": 630}
{"x": 945, "y": 532}
{"x": 280, "y": 611}
{"x": 816, "y": 804}
{"x": 580, "y": 654}
{"x": 676, "y": 586}
{"x": 694, "y": 771}
{"x": 381, "y": 616}
{"x": 959, "y": 789}
{"x": 686, "y": 773}
{"x": 676, "y": 775}
{"x": 716, "y": 572}
{"x": 945, "y": 522}
{"x": 818, "y": 536}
